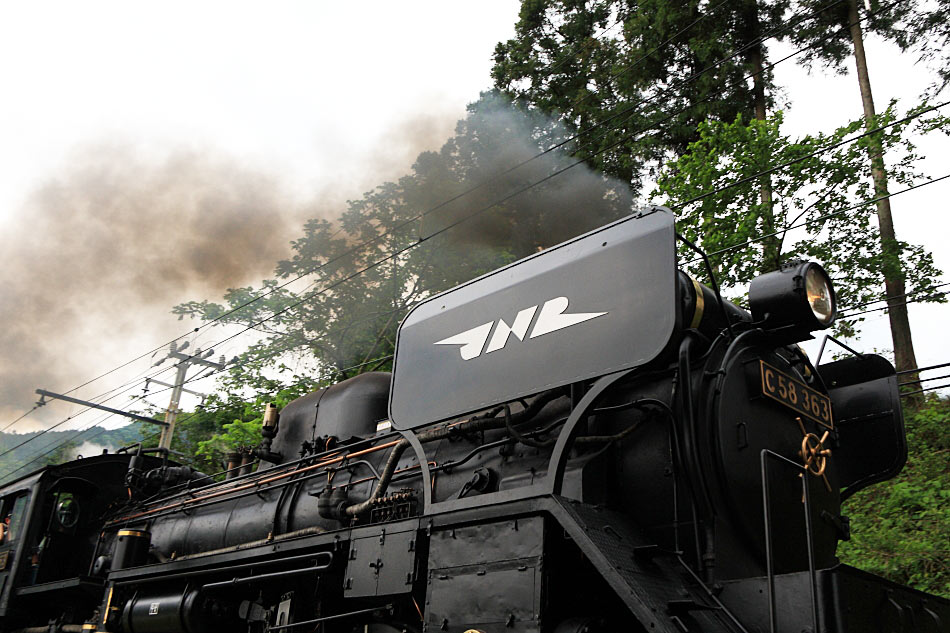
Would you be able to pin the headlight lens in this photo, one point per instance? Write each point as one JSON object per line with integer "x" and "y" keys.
{"x": 820, "y": 297}
{"x": 795, "y": 300}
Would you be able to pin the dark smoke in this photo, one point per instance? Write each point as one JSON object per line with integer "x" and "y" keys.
{"x": 102, "y": 251}
{"x": 546, "y": 200}
{"x": 92, "y": 264}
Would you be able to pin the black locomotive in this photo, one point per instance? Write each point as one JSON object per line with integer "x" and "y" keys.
{"x": 586, "y": 440}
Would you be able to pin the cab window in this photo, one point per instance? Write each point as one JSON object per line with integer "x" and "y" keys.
{"x": 14, "y": 512}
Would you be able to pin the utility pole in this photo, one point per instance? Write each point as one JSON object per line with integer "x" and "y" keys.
{"x": 185, "y": 361}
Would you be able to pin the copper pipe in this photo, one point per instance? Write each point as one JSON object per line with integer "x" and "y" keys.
{"x": 255, "y": 483}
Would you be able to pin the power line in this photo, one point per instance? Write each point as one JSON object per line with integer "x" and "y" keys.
{"x": 624, "y": 139}
{"x": 35, "y": 407}
{"x": 465, "y": 218}
{"x": 826, "y": 216}
{"x": 64, "y": 442}
{"x": 917, "y": 370}
{"x": 906, "y": 294}
{"x": 549, "y": 177}
{"x": 919, "y": 380}
{"x": 888, "y": 307}
{"x": 522, "y": 190}
{"x": 556, "y": 146}
{"x": 822, "y": 150}
{"x": 914, "y": 393}
{"x": 47, "y": 430}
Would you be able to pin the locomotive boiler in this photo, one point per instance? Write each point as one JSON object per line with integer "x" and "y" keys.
{"x": 587, "y": 440}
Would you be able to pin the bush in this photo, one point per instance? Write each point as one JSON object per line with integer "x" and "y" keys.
{"x": 901, "y": 528}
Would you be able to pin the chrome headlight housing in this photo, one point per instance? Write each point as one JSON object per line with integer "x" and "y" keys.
{"x": 799, "y": 298}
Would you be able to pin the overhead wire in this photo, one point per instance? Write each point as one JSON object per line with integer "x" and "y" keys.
{"x": 821, "y": 150}
{"x": 510, "y": 196}
{"x": 820, "y": 218}
{"x": 847, "y": 317}
{"x": 919, "y": 380}
{"x": 518, "y": 192}
{"x": 917, "y": 370}
{"x": 504, "y": 172}
{"x": 918, "y": 391}
{"x": 32, "y": 459}
{"x": 901, "y": 296}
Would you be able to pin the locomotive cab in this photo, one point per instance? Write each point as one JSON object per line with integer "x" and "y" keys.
{"x": 48, "y": 545}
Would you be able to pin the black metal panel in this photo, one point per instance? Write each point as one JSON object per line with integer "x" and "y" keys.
{"x": 858, "y": 602}
{"x": 486, "y": 577}
{"x": 361, "y": 576}
{"x": 497, "y": 598}
{"x": 382, "y": 564}
{"x": 490, "y": 542}
{"x": 872, "y": 445}
{"x": 600, "y": 303}
{"x": 354, "y": 406}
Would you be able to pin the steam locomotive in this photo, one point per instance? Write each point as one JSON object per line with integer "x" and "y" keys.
{"x": 587, "y": 440}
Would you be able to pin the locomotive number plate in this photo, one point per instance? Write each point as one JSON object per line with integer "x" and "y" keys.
{"x": 796, "y": 395}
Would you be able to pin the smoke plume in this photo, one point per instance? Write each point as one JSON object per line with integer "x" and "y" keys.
{"x": 101, "y": 251}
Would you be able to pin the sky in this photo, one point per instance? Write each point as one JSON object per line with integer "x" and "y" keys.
{"x": 154, "y": 153}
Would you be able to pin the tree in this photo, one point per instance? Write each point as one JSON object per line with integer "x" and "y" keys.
{"x": 238, "y": 424}
{"x": 928, "y": 31}
{"x": 819, "y": 190}
{"x": 888, "y": 21}
{"x": 670, "y": 67}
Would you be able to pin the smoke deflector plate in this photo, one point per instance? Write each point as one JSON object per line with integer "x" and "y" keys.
{"x": 600, "y": 303}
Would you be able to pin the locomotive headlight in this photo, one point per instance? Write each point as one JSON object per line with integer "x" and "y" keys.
{"x": 796, "y": 299}
{"x": 820, "y": 295}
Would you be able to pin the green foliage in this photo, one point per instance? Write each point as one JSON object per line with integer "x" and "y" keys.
{"x": 234, "y": 436}
{"x": 928, "y": 32}
{"x": 648, "y": 73}
{"x": 817, "y": 189}
{"x": 231, "y": 420}
{"x": 901, "y": 528}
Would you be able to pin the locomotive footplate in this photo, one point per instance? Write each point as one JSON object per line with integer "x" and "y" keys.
{"x": 849, "y": 601}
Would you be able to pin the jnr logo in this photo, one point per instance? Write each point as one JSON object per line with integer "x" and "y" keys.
{"x": 550, "y": 319}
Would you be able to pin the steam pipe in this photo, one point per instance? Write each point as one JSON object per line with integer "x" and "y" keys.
{"x": 474, "y": 424}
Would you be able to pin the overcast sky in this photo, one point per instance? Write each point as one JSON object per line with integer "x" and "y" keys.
{"x": 114, "y": 114}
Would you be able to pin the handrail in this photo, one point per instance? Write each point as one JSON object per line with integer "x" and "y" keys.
{"x": 767, "y": 516}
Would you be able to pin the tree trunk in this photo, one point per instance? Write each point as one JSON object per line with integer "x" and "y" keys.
{"x": 904, "y": 356}
{"x": 771, "y": 246}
